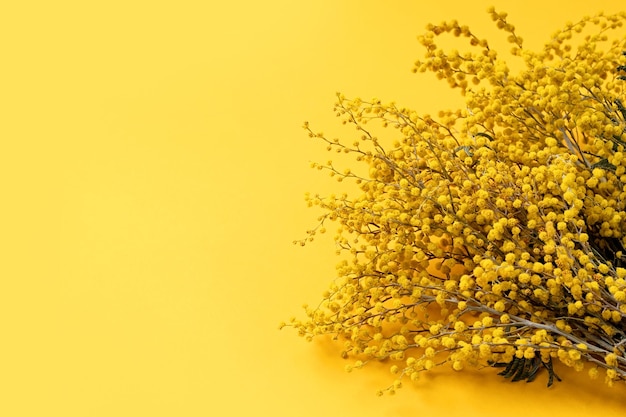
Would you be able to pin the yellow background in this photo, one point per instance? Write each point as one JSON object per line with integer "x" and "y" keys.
{"x": 152, "y": 170}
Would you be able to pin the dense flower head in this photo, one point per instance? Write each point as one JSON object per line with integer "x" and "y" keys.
{"x": 492, "y": 233}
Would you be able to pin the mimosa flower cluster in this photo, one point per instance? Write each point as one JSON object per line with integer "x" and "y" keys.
{"x": 492, "y": 234}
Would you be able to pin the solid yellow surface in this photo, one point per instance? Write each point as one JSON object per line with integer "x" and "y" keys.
{"x": 153, "y": 168}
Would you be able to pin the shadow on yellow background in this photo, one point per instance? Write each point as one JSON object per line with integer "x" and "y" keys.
{"x": 153, "y": 168}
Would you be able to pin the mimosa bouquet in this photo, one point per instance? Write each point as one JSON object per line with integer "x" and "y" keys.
{"x": 491, "y": 235}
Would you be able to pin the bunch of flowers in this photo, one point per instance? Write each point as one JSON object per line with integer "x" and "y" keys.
{"x": 493, "y": 234}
